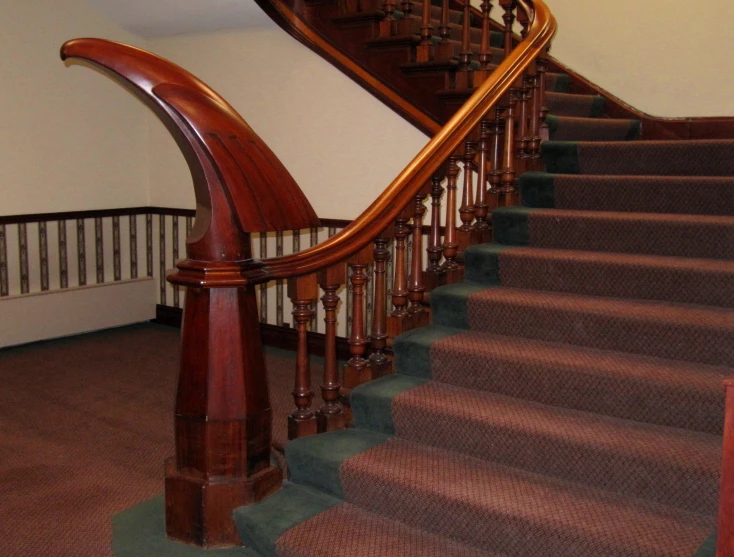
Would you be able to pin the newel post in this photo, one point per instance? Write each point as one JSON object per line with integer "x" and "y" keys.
{"x": 222, "y": 420}
{"x": 725, "y": 536}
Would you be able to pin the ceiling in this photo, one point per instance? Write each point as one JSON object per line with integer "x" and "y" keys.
{"x": 162, "y": 18}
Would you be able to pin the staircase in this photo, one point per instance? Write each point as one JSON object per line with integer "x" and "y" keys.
{"x": 567, "y": 398}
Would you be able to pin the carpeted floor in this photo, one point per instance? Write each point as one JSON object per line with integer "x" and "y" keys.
{"x": 86, "y": 425}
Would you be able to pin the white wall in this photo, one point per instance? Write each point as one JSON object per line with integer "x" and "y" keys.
{"x": 70, "y": 139}
{"x": 664, "y": 57}
{"x": 341, "y": 145}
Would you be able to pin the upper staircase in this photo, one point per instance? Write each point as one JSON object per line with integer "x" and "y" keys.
{"x": 566, "y": 396}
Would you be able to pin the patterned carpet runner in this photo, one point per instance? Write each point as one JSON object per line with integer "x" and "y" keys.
{"x": 567, "y": 398}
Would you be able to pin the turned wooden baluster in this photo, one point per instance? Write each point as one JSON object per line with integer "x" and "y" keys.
{"x": 381, "y": 365}
{"x": 388, "y": 25}
{"x": 541, "y": 64}
{"x": 464, "y": 75}
{"x": 454, "y": 273}
{"x": 415, "y": 287}
{"x": 302, "y": 291}
{"x": 508, "y": 192}
{"x": 485, "y": 51}
{"x": 496, "y": 130}
{"x": 524, "y": 103}
{"x": 425, "y": 50}
{"x": 533, "y": 147}
{"x": 408, "y": 24}
{"x": 445, "y": 49}
{"x": 433, "y": 276}
{"x": 465, "y": 234}
{"x": 482, "y": 228}
{"x": 357, "y": 369}
{"x": 399, "y": 319}
{"x": 331, "y": 415}
{"x": 509, "y": 18}
{"x": 725, "y": 535}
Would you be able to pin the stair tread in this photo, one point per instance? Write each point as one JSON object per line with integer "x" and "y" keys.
{"x": 677, "y": 331}
{"x": 493, "y": 506}
{"x": 578, "y": 446}
{"x": 350, "y": 531}
{"x": 619, "y": 275}
{"x": 578, "y": 128}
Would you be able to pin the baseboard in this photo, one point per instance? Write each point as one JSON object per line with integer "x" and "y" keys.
{"x": 272, "y": 335}
{"x": 59, "y": 313}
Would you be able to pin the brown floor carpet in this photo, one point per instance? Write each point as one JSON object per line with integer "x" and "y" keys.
{"x": 86, "y": 425}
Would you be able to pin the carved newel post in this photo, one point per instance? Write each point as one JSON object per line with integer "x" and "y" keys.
{"x": 223, "y": 418}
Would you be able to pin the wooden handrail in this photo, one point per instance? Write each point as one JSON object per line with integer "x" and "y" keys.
{"x": 408, "y": 183}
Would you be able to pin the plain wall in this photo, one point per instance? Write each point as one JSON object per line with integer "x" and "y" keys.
{"x": 70, "y": 138}
{"x": 341, "y": 145}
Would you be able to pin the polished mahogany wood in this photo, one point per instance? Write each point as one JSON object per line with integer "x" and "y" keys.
{"x": 424, "y": 52}
{"x": 416, "y": 289}
{"x": 380, "y": 363}
{"x": 408, "y": 24}
{"x": 434, "y": 275}
{"x": 482, "y": 229}
{"x": 445, "y": 50}
{"x": 466, "y": 235}
{"x": 451, "y": 241}
{"x": 725, "y": 536}
{"x": 388, "y": 25}
{"x": 399, "y": 319}
{"x": 302, "y": 291}
{"x": 331, "y": 416}
{"x": 357, "y": 369}
{"x": 465, "y": 73}
{"x": 485, "y": 52}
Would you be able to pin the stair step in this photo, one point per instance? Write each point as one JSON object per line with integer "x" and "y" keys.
{"x": 665, "y": 330}
{"x": 347, "y": 530}
{"x": 629, "y": 386}
{"x": 570, "y": 104}
{"x": 566, "y": 128}
{"x": 672, "y": 466}
{"x": 699, "y": 195}
{"x": 696, "y": 236}
{"x": 616, "y": 275}
{"x": 699, "y": 157}
{"x": 494, "y": 507}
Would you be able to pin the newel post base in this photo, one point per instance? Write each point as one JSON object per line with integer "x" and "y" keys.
{"x": 223, "y": 415}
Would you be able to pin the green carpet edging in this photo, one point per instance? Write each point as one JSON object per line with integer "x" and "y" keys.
{"x": 412, "y": 349}
{"x": 315, "y": 460}
{"x": 448, "y": 303}
{"x": 538, "y": 190}
{"x": 553, "y": 123}
{"x": 708, "y": 549}
{"x": 634, "y": 131}
{"x": 510, "y": 225}
{"x": 482, "y": 263}
{"x": 261, "y": 524}
{"x": 560, "y": 157}
{"x": 597, "y": 107}
{"x": 140, "y": 531}
{"x": 372, "y": 401}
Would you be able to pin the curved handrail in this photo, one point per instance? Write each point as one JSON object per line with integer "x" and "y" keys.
{"x": 239, "y": 183}
{"x": 408, "y": 183}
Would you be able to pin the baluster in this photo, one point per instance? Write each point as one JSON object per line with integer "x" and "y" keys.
{"x": 524, "y": 102}
{"x": 433, "y": 276}
{"x": 388, "y": 25}
{"x": 725, "y": 537}
{"x": 399, "y": 319}
{"x": 416, "y": 289}
{"x": 451, "y": 244}
{"x": 481, "y": 207}
{"x": 408, "y": 24}
{"x": 381, "y": 365}
{"x": 509, "y": 18}
{"x": 533, "y": 148}
{"x": 541, "y": 65}
{"x": 495, "y": 176}
{"x": 425, "y": 50}
{"x": 465, "y": 234}
{"x": 485, "y": 51}
{"x": 464, "y": 75}
{"x": 331, "y": 415}
{"x": 445, "y": 49}
{"x": 302, "y": 422}
{"x": 508, "y": 190}
{"x": 357, "y": 370}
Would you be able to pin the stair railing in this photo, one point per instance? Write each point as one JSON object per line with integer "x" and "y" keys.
{"x": 223, "y": 416}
